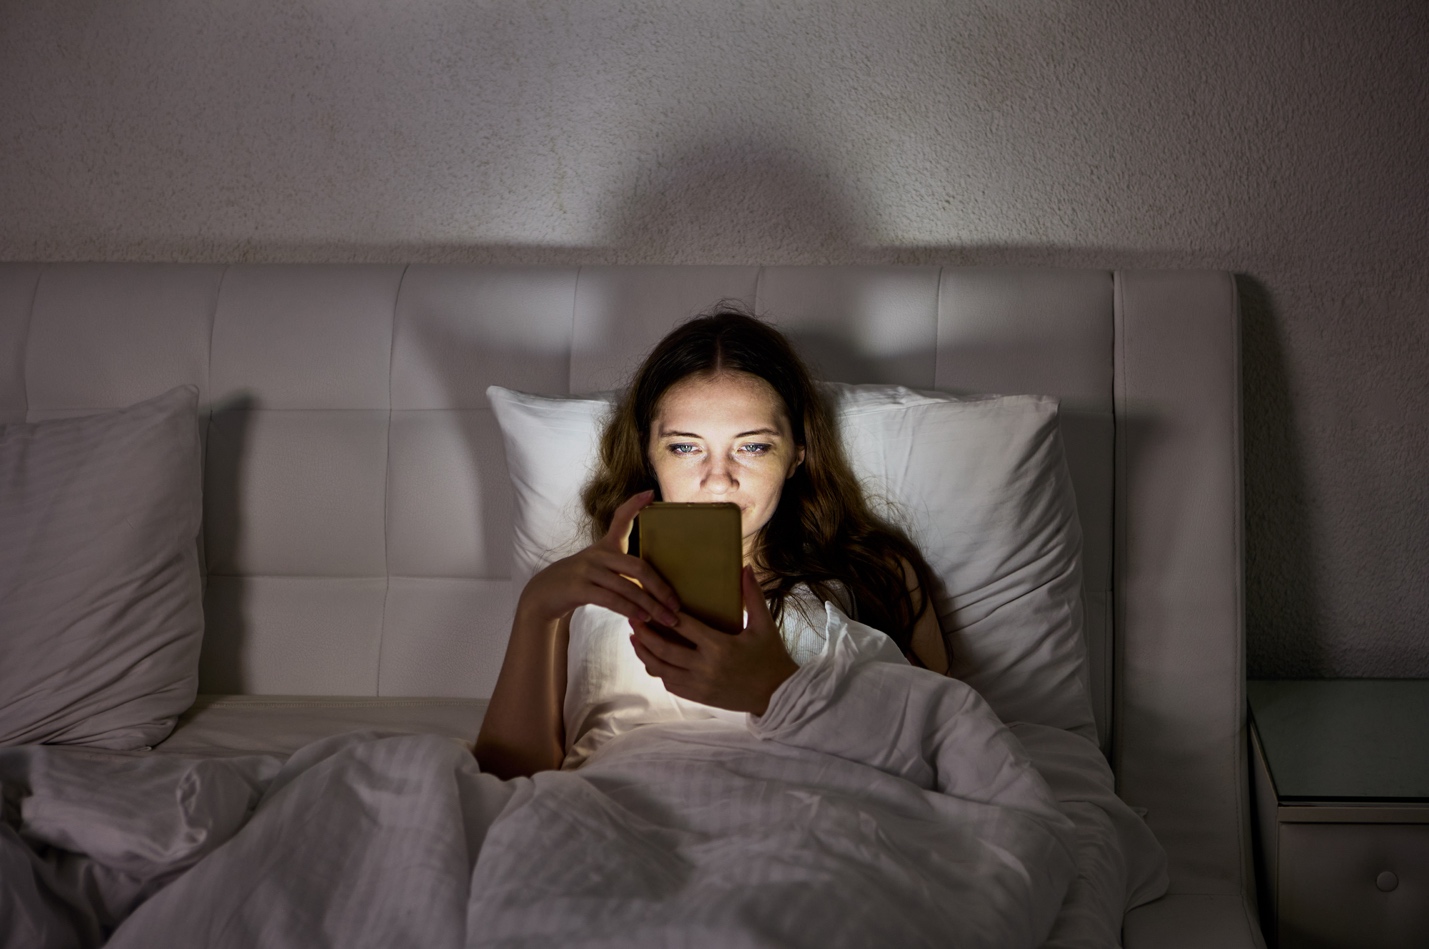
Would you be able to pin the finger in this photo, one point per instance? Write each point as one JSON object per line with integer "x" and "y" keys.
{"x": 611, "y": 600}
{"x": 654, "y": 665}
{"x": 756, "y": 608}
{"x": 644, "y": 655}
{"x": 697, "y": 632}
{"x": 623, "y": 586}
{"x": 670, "y": 653}
{"x": 624, "y": 516}
{"x": 649, "y": 579}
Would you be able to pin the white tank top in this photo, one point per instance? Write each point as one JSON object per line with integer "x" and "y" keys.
{"x": 608, "y": 691}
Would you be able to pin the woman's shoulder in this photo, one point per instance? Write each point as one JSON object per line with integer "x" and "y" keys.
{"x": 837, "y": 592}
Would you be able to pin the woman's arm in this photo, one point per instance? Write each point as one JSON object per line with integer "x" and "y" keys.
{"x": 927, "y": 639}
{"x": 927, "y": 642}
{"x": 523, "y": 730}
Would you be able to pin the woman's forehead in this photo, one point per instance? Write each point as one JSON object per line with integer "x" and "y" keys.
{"x": 727, "y": 397}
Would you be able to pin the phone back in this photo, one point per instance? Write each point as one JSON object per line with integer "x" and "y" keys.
{"x": 697, "y": 549}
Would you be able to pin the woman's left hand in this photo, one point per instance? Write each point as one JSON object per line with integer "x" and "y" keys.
{"x": 737, "y": 672}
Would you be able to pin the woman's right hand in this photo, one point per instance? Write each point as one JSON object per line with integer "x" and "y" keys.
{"x": 605, "y": 575}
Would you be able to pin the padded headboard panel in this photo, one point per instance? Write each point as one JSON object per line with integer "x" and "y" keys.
{"x": 357, "y": 523}
{"x": 357, "y": 511}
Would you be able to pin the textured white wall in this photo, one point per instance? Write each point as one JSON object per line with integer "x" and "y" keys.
{"x": 1281, "y": 140}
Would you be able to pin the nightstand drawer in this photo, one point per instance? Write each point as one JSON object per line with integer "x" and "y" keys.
{"x": 1360, "y": 885}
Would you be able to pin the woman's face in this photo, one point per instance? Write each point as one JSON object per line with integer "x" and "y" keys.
{"x": 724, "y": 437}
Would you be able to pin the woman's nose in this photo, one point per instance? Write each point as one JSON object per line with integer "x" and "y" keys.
{"x": 720, "y": 478}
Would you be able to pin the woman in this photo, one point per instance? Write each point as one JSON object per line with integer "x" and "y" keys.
{"x": 722, "y": 409}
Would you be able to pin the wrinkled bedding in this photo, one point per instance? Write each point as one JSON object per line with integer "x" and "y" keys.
{"x": 872, "y": 804}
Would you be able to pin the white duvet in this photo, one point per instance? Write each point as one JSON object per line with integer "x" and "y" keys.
{"x": 872, "y": 804}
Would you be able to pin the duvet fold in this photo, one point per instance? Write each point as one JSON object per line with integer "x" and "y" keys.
{"x": 872, "y": 804}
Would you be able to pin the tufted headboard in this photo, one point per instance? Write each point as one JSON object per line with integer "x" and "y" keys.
{"x": 357, "y": 512}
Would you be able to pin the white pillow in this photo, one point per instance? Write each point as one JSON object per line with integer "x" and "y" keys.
{"x": 552, "y": 445}
{"x": 101, "y": 612}
{"x": 982, "y": 486}
{"x": 980, "y": 483}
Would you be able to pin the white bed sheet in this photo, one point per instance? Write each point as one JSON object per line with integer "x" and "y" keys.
{"x": 281, "y": 724}
{"x": 828, "y": 822}
{"x": 96, "y": 857}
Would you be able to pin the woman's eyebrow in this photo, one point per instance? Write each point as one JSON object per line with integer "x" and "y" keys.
{"x": 666, "y": 433}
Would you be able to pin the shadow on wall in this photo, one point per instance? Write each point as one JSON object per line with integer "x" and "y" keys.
{"x": 709, "y": 207}
{"x": 226, "y": 448}
{"x": 725, "y": 200}
{"x": 1281, "y": 594}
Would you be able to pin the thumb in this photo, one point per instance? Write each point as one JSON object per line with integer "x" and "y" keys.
{"x": 624, "y": 517}
{"x": 758, "y": 618}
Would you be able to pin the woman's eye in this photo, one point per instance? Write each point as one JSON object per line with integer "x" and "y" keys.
{"x": 683, "y": 448}
{"x": 756, "y": 448}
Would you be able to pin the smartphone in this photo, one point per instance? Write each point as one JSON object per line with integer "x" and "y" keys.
{"x": 699, "y": 551}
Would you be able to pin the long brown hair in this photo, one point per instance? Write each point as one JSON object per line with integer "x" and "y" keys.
{"x": 823, "y": 532}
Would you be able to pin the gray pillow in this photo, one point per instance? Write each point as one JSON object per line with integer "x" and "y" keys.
{"x": 101, "y": 608}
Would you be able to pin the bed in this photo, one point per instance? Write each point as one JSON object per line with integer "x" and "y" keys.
{"x": 362, "y": 514}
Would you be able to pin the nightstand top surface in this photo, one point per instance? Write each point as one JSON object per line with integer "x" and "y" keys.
{"x": 1344, "y": 739}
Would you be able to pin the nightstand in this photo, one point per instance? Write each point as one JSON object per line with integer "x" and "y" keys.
{"x": 1341, "y": 792}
